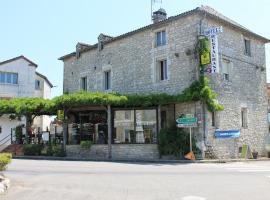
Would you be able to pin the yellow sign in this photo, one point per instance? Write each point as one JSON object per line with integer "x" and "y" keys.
{"x": 205, "y": 59}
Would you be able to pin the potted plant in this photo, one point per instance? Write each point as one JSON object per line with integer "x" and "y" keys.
{"x": 255, "y": 154}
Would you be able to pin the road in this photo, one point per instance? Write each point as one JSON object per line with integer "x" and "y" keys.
{"x": 65, "y": 180}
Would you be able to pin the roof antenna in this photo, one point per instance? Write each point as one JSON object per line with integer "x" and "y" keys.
{"x": 152, "y": 4}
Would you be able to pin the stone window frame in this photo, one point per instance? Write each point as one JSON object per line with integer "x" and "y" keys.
{"x": 155, "y": 37}
{"x": 157, "y": 69}
{"x": 84, "y": 86}
{"x": 244, "y": 117}
{"x": 229, "y": 72}
{"x": 247, "y": 51}
{"x": 105, "y": 69}
{"x": 213, "y": 119}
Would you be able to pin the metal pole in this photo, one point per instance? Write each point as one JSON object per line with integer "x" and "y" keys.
{"x": 11, "y": 137}
{"x": 190, "y": 139}
{"x": 109, "y": 122}
{"x": 151, "y": 9}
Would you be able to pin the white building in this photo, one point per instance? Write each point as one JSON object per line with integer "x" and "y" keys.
{"x": 18, "y": 78}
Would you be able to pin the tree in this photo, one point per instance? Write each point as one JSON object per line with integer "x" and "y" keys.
{"x": 27, "y": 107}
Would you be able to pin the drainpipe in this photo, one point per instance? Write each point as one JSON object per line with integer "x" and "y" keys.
{"x": 205, "y": 131}
{"x": 109, "y": 122}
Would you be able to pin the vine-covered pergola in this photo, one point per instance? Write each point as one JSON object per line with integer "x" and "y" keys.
{"x": 32, "y": 107}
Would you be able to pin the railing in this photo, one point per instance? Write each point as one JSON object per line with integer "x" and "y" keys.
{"x": 5, "y": 140}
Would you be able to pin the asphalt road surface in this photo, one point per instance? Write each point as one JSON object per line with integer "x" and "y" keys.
{"x": 65, "y": 180}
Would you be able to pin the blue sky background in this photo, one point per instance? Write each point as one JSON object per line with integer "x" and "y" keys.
{"x": 44, "y": 30}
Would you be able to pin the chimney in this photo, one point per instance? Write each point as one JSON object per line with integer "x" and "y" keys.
{"x": 159, "y": 15}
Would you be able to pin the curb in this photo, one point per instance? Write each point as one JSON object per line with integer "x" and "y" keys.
{"x": 138, "y": 160}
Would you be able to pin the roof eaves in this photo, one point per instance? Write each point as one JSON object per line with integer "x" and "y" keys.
{"x": 133, "y": 32}
{"x": 196, "y": 10}
{"x": 239, "y": 27}
{"x": 18, "y": 57}
{"x": 45, "y": 78}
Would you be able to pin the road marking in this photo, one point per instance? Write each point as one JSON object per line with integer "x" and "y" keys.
{"x": 249, "y": 169}
{"x": 193, "y": 198}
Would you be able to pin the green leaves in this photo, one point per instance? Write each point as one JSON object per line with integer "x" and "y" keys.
{"x": 27, "y": 106}
{"x": 198, "y": 91}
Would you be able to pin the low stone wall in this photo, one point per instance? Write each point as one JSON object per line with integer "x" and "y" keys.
{"x": 119, "y": 151}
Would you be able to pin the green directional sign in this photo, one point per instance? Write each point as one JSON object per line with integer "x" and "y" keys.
{"x": 186, "y": 120}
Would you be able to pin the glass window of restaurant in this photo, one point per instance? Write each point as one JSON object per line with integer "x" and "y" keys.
{"x": 135, "y": 126}
{"x": 88, "y": 126}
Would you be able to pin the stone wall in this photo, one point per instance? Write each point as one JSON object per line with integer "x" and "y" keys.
{"x": 246, "y": 88}
{"x": 119, "y": 152}
{"x": 133, "y": 62}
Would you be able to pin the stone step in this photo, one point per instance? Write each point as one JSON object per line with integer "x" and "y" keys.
{"x": 14, "y": 149}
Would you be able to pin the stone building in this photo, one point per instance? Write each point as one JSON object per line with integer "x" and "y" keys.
{"x": 161, "y": 57}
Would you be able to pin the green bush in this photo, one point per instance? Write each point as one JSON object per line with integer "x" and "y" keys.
{"x": 86, "y": 144}
{"x": 32, "y": 149}
{"x": 18, "y": 134}
{"x": 59, "y": 151}
{"x": 175, "y": 141}
{"x": 5, "y": 159}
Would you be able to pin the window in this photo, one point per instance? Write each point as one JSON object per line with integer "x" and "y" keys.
{"x": 37, "y": 84}
{"x": 8, "y": 78}
{"x": 244, "y": 117}
{"x": 141, "y": 128}
{"x": 226, "y": 67}
{"x": 107, "y": 80}
{"x": 2, "y": 77}
{"x": 84, "y": 83}
{"x": 160, "y": 38}
{"x": 247, "y": 47}
{"x": 15, "y": 78}
{"x": 162, "y": 70}
{"x": 213, "y": 119}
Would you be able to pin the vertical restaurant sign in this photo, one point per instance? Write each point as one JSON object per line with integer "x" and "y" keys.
{"x": 214, "y": 54}
{"x": 212, "y": 34}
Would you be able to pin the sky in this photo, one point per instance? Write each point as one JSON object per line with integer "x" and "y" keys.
{"x": 44, "y": 30}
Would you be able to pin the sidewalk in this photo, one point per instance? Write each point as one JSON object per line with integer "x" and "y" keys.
{"x": 140, "y": 160}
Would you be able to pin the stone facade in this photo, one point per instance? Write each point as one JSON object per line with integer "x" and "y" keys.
{"x": 119, "y": 152}
{"x": 133, "y": 62}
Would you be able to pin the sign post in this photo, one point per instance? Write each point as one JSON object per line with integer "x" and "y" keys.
{"x": 188, "y": 123}
{"x": 190, "y": 139}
